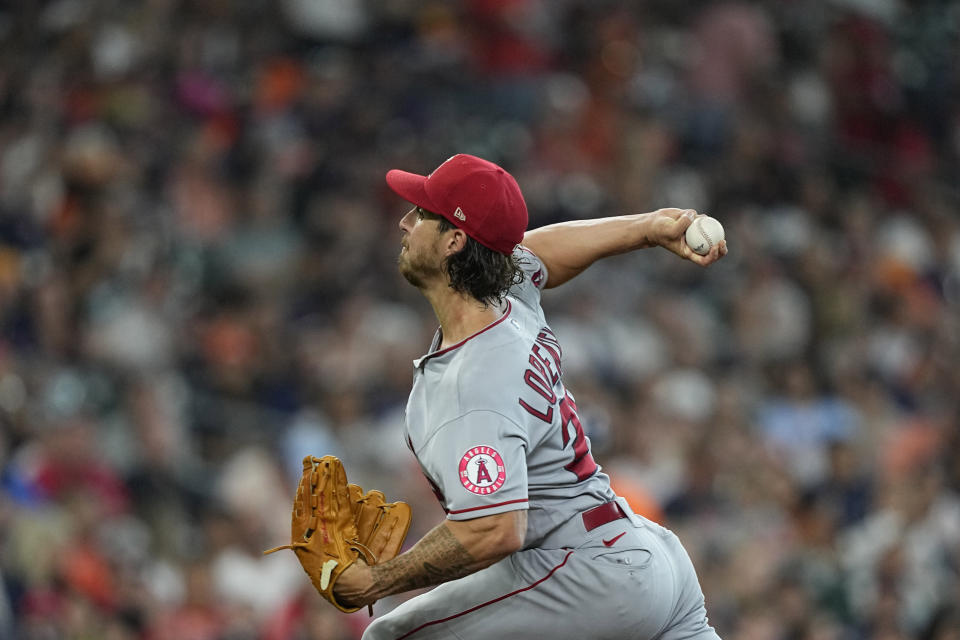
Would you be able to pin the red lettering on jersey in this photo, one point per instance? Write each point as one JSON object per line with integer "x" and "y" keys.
{"x": 583, "y": 464}
{"x": 549, "y": 341}
{"x": 536, "y": 278}
{"x": 482, "y": 473}
{"x": 544, "y": 374}
{"x": 543, "y": 365}
{"x": 539, "y": 385}
{"x": 547, "y": 336}
{"x": 546, "y": 417}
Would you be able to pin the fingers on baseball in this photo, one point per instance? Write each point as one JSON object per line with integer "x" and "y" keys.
{"x": 707, "y": 258}
{"x": 716, "y": 252}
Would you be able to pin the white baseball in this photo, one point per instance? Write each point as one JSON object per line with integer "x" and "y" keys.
{"x": 703, "y": 233}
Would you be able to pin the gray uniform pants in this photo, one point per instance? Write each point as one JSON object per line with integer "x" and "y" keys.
{"x": 642, "y": 586}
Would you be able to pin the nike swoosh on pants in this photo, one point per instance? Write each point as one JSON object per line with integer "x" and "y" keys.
{"x": 611, "y": 541}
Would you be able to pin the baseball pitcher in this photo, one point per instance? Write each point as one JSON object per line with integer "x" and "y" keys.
{"x": 535, "y": 543}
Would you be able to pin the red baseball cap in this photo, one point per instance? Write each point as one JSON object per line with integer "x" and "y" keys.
{"x": 473, "y": 194}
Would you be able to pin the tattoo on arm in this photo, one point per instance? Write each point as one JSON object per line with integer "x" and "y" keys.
{"x": 438, "y": 557}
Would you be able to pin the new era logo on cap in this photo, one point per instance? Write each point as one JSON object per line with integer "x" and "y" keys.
{"x": 464, "y": 183}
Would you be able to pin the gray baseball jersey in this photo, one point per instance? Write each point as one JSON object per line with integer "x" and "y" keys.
{"x": 494, "y": 430}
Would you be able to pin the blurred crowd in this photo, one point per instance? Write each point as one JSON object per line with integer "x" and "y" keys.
{"x": 198, "y": 288}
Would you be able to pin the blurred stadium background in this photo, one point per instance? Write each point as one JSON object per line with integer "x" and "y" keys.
{"x": 198, "y": 287}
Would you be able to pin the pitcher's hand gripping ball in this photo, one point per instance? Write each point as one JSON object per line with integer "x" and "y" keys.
{"x": 334, "y": 523}
{"x": 703, "y": 233}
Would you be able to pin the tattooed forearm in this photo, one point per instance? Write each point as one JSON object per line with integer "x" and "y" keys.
{"x": 438, "y": 557}
{"x": 453, "y": 549}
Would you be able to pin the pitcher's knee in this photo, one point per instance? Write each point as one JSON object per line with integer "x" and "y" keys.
{"x": 375, "y": 631}
{"x": 383, "y": 628}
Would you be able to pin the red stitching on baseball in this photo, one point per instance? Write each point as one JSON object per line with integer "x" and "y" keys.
{"x": 706, "y": 237}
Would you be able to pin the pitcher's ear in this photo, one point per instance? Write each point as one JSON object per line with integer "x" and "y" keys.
{"x": 456, "y": 242}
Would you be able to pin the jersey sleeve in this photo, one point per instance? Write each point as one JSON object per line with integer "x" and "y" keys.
{"x": 478, "y": 463}
{"x": 534, "y": 277}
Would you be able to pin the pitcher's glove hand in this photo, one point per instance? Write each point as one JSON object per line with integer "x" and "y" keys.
{"x": 334, "y": 523}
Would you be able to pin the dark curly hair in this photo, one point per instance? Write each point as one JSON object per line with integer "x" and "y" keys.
{"x": 476, "y": 270}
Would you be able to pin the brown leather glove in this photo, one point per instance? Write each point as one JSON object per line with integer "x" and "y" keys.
{"x": 334, "y": 523}
{"x": 381, "y": 525}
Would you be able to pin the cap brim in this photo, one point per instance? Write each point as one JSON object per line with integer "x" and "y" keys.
{"x": 410, "y": 187}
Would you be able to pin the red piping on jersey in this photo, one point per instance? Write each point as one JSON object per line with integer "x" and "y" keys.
{"x": 489, "y": 602}
{"x": 489, "y": 506}
{"x": 468, "y": 338}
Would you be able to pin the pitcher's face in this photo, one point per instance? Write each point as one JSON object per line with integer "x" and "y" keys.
{"x": 421, "y": 255}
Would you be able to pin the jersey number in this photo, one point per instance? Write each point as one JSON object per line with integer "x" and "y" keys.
{"x": 582, "y": 465}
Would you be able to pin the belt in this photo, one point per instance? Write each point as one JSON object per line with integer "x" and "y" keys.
{"x": 598, "y": 516}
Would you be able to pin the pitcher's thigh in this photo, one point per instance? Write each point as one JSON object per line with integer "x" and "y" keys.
{"x": 505, "y": 597}
{"x": 555, "y": 594}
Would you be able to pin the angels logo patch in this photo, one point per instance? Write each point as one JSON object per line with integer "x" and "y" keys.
{"x": 482, "y": 471}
